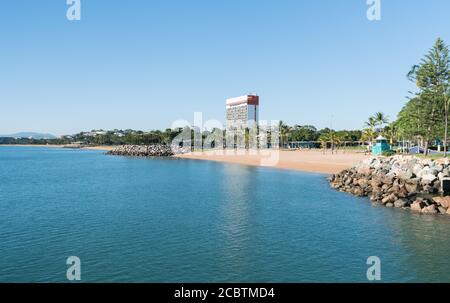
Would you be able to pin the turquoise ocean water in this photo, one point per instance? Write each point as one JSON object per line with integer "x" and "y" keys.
{"x": 167, "y": 220}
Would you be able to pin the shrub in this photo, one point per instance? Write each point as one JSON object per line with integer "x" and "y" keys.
{"x": 388, "y": 153}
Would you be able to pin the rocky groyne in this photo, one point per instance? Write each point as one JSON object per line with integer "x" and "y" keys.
{"x": 156, "y": 150}
{"x": 400, "y": 181}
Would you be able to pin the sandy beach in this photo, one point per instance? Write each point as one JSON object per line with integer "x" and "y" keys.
{"x": 103, "y": 147}
{"x": 306, "y": 160}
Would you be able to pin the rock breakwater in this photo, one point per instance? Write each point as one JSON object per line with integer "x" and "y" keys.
{"x": 400, "y": 181}
{"x": 157, "y": 150}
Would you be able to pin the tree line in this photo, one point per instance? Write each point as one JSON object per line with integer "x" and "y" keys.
{"x": 295, "y": 133}
{"x": 424, "y": 118}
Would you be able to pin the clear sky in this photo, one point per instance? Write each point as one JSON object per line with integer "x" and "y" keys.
{"x": 142, "y": 64}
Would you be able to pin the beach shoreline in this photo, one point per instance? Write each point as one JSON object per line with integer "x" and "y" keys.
{"x": 313, "y": 161}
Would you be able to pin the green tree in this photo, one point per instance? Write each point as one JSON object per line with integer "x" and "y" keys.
{"x": 432, "y": 77}
{"x": 390, "y": 132}
{"x": 284, "y": 131}
{"x": 332, "y": 138}
{"x": 420, "y": 119}
{"x": 304, "y": 133}
{"x": 371, "y": 125}
{"x": 380, "y": 119}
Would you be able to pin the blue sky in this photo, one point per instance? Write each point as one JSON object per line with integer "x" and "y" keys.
{"x": 142, "y": 64}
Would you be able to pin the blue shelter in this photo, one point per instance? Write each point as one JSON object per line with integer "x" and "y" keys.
{"x": 380, "y": 146}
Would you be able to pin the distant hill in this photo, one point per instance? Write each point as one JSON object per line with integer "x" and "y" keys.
{"x": 30, "y": 135}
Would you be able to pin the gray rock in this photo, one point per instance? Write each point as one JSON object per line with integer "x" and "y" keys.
{"x": 439, "y": 168}
{"x": 446, "y": 172}
{"x": 396, "y": 181}
{"x": 442, "y": 210}
{"x": 442, "y": 201}
{"x": 417, "y": 169}
{"x": 348, "y": 181}
{"x": 428, "y": 178}
{"x": 157, "y": 150}
{"x": 417, "y": 206}
{"x": 389, "y": 199}
{"x": 432, "y": 209}
{"x": 405, "y": 175}
{"x": 400, "y": 203}
{"x": 437, "y": 185}
{"x": 412, "y": 186}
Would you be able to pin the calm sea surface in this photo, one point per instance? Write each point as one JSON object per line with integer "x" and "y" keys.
{"x": 153, "y": 220}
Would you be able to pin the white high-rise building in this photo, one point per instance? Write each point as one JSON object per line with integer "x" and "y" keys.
{"x": 242, "y": 111}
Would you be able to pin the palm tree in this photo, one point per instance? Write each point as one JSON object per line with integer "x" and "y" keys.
{"x": 371, "y": 128}
{"x": 332, "y": 138}
{"x": 324, "y": 142}
{"x": 368, "y": 134}
{"x": 371, "y": 123}
{"x": 284, "y": 130}
{"x": 390, "y": 132}
{"x": 344, "y": 136}
{"x": 380, "y": 119}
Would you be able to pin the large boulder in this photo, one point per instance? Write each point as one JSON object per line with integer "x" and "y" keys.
{"x": 428, "y": 178}
{"x": 388, "y": 179}
{"x": 402, "y": 193}
{"x": 442, "y": 201}
{"x": 442, "y": 210}
{"x": 376, "y": 196}
{"x": 358, "y": 191}
{"x": 394, "y": 189}
{"x": 446, "y": 172}
{"x": 417, "y": 206}
{"x": 376, "y": 182}
{"x": 437, "y": 186}
{"x": 432, "y": 209}
{"x": 389, "y": 199}
{"x": 417, "y": 169}
{"x": 405, "y": 175}
{"x": 412, "y": 185}
{"x": 348, "y": 182}
{"x": 400, "y": 203}
{"x": 364, "y": 170}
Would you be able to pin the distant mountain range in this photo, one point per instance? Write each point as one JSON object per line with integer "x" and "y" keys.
{"x": 30, "y": 135}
